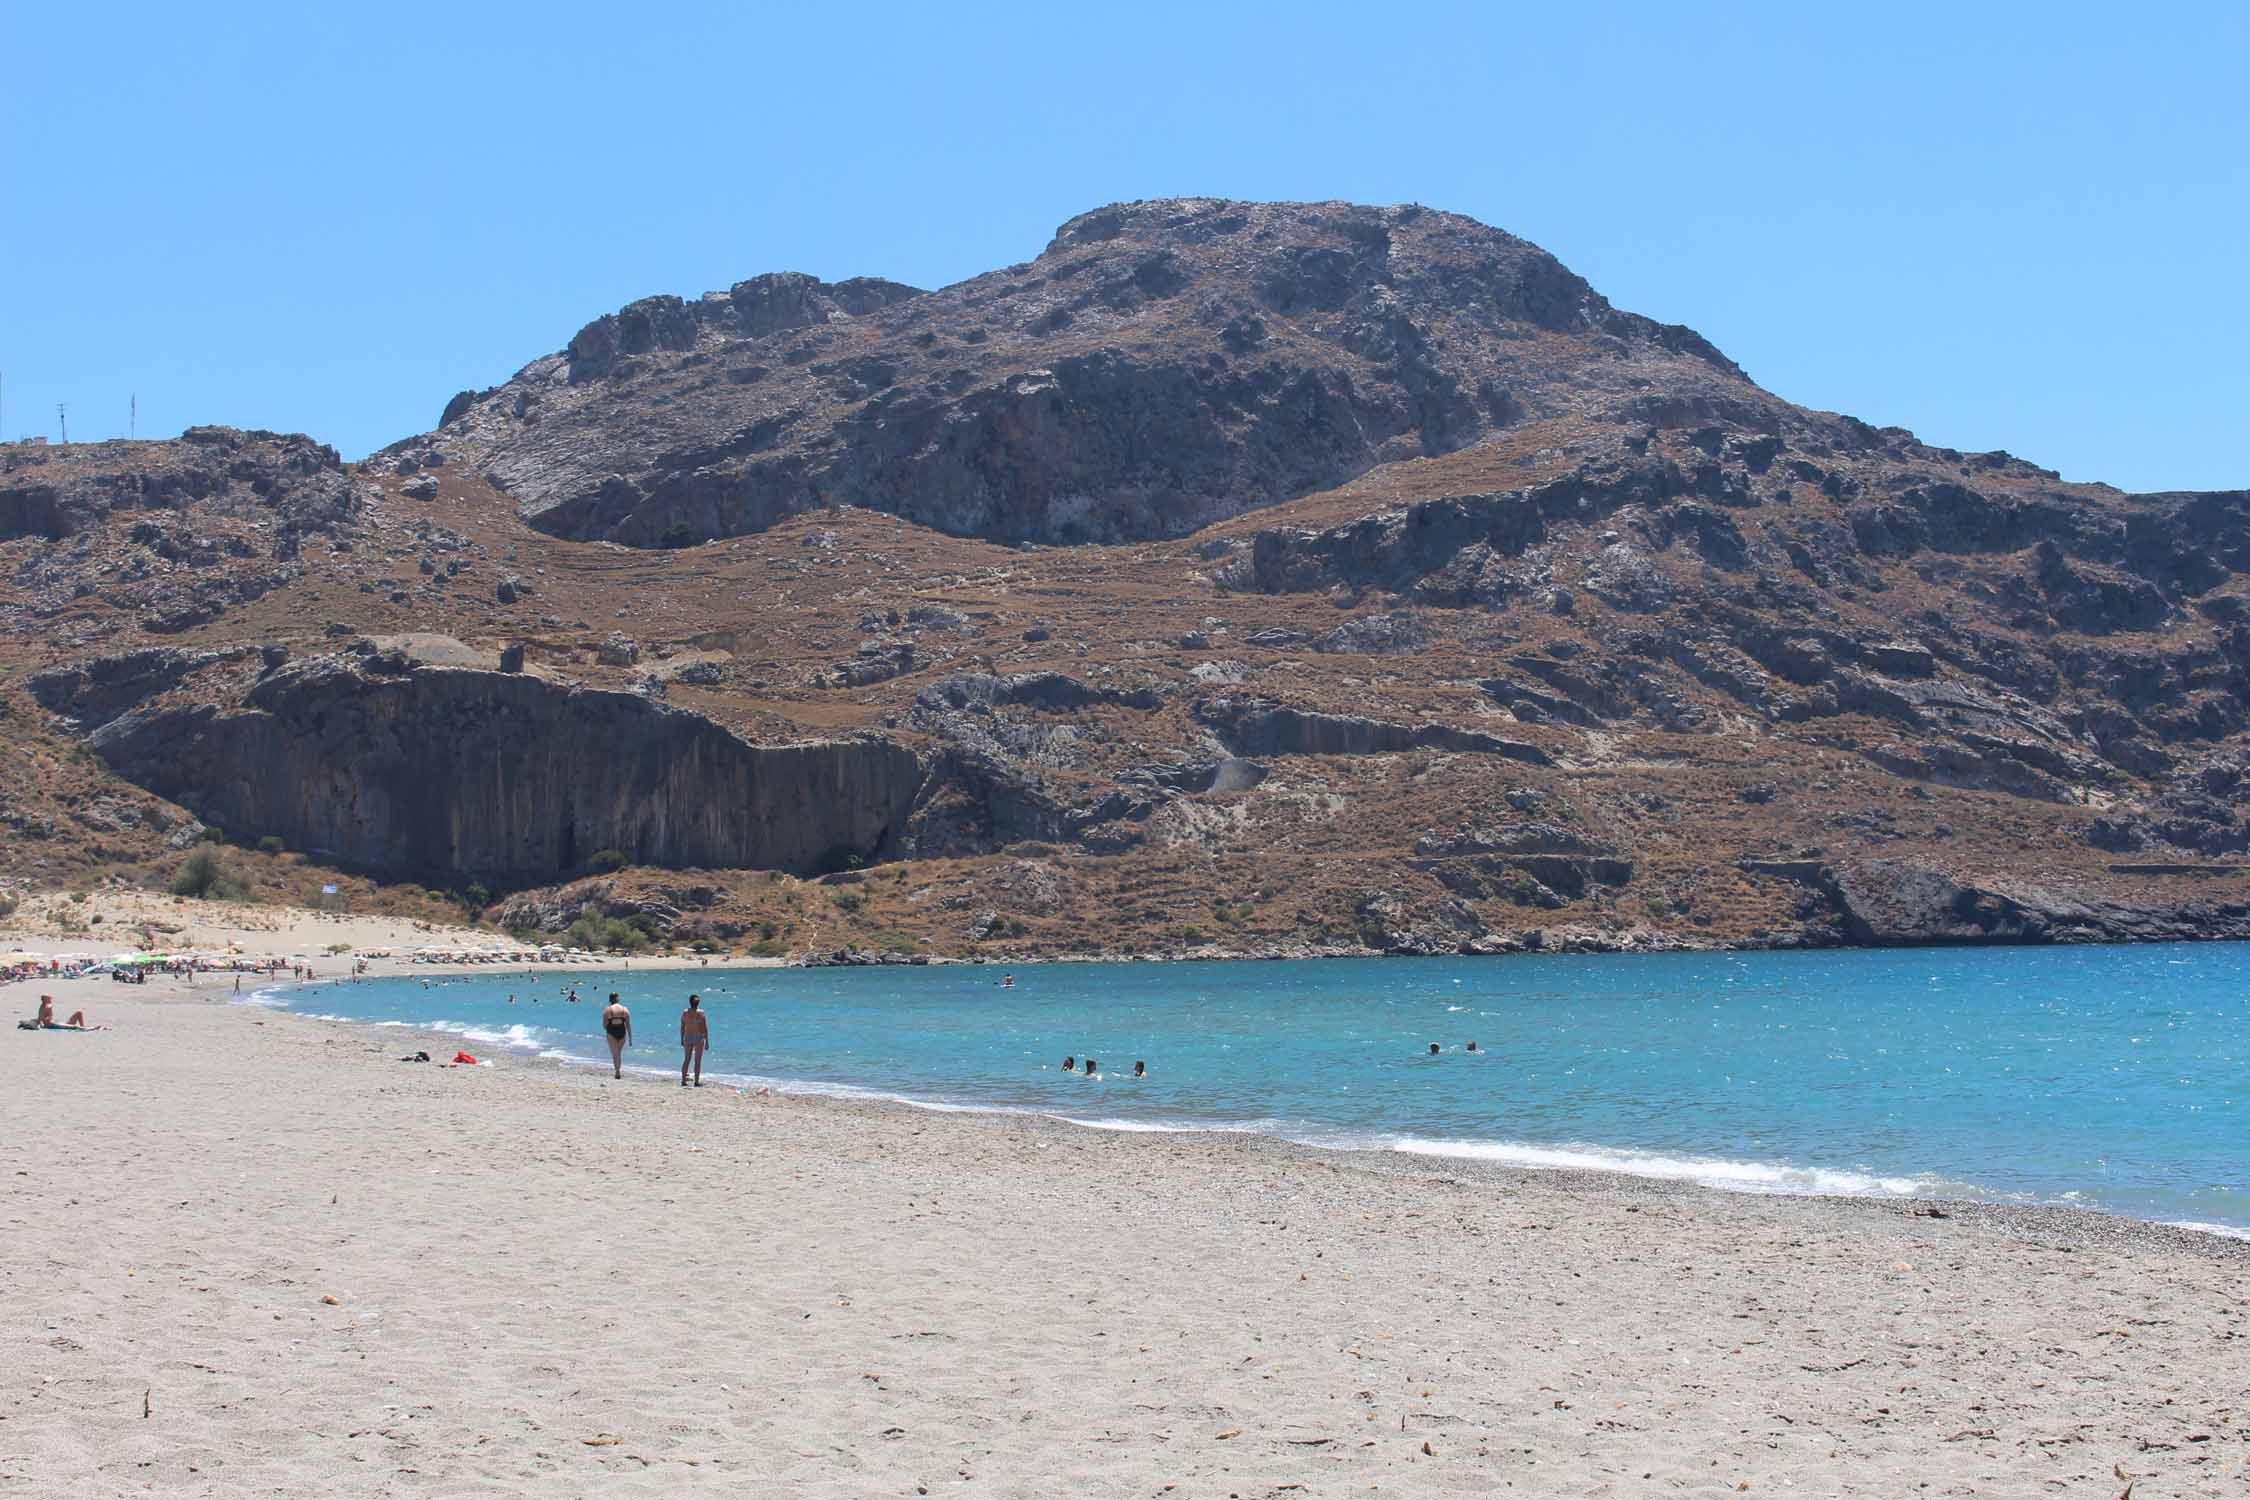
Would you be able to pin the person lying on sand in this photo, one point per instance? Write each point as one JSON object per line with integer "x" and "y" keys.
{"x": 46, "y": 1019}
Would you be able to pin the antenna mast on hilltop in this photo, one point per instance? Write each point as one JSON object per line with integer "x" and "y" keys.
{"x": 133, "y": 417}
{"x": 62, "y": 415}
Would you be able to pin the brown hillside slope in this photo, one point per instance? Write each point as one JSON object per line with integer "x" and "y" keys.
{"x": 1639, "y": 654}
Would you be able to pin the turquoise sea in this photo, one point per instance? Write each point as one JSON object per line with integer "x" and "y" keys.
{"x": 2115, "y": 1079}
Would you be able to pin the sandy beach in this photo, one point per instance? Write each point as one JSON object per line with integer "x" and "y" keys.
{"x": 250, "y": 1253}
{"x": 131, "y": 921}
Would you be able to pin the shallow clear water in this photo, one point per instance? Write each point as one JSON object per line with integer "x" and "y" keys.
{"x": 2109, "y": 1078}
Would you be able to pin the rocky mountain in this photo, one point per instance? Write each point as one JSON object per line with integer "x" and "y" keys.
{"x": 1231, "y": 577}
{"x": 1160, "y": 366}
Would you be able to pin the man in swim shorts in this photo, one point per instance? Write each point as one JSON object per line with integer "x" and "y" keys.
{"x": 695, "y": 1036}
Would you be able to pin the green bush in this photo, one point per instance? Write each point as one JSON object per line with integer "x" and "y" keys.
{"x": 337, "y": 950}
{"x": 8, "y": 904}
{"x": 476, "y": 897}
{"x": 768, "y": 948}
{"x": 847, "y": 901}
{"x": 204, "y": 873}
{"x": 595, "y": 931}
{"x": 605, "y": 861}
{"x": 271, "y": 844}
{"x": 78, "y": 898}
{"x": 213, "y": 835}
{"x": 767, "y": 932}
{"x": 895, "y": 942}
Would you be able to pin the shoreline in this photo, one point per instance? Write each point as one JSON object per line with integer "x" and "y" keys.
{"x": 96, "y": 992}
{"x": 278, "y": 931}
{"x": 1644, "y": 943}
{"x": 2049, "y": 1220}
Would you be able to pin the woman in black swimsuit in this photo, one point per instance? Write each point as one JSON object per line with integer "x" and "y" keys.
{"x": 618, "y": 1022}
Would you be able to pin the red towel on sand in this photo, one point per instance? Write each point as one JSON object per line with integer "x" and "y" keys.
{"x": 463, "y": 1057}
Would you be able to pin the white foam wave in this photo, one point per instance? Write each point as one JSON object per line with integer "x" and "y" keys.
{"x": 1717, "y": 1172}
{"x": 518, "y": 1036}
{"x": 2224, "y": 1231}
{"x": 1136, "y": 1127}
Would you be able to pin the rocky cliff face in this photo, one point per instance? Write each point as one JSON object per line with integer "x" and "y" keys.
{"x": 374, "y": 763}
{"x": 174, "y": 532}
{"x": 1570, "y": 636}
{"x": 1160, "y": 366}
{"x": 210, "y": 474}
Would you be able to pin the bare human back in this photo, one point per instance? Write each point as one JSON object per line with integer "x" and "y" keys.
{"x": 695, "y": 1039}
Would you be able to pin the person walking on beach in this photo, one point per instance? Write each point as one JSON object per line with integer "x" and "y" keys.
{"x": 618, "y": 1022}
{"x": 695, "y": 1036}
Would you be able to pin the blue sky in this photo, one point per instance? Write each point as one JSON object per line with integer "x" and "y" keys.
{"x": 2024, "y": 227}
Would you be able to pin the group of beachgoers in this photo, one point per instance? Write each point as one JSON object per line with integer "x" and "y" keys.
{"x": 1093, "y": 1069}
{"x": 695, "y": 1036}
{"x": 695, "y": 1040}
{"x": 45, "y": 1020}
{"x": 31, "y": 970}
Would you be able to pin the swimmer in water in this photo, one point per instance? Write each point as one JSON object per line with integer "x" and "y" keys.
{"x": 1140, "y": 1069}
{"x": 1473, "y": 1047}
{"x": 1090, "y": 1065}
{"x": 1070, "y": 1063}
{"x": 1434, "y": 1049}
{"x": 1007, "y": 981}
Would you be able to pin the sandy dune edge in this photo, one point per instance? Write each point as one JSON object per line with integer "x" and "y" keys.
{"x": 550, "y": 1284}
